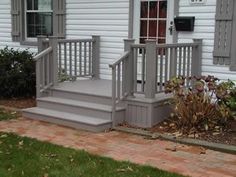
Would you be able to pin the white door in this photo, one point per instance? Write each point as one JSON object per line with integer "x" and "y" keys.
{"x": 153, "y": 19}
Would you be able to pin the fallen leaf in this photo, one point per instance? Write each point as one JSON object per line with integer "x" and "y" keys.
{"x": 45, "y": 175}
{"x": 173, "y": 149}
{"x": 3, "y": 136}
{"x": 21, "y": 143}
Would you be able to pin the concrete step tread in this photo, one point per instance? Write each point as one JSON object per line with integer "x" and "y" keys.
{"x": 82, "y": 104}
{"x": 67, "y": 116}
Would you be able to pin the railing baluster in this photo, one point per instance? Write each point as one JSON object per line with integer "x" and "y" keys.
{"x": 166, "y": 64}
{"x": 118, "y": 81}
{"x": 38, "y": 78}
{"x": 85, "y": 58}
{"x": 65, "y": 58}
{"x": 184, "y": 61}
{"x": 48, "y": 69}
{"x": 188, "y": 63}
{"x": 75, "y": 53}
{"x": 157, "y": 70}
{"x": 90, "y": 58}
{"x": 143, "y": 70}
{"x": 80, "y": 58}
{"x": 135, "y": 70}
{"x": 70, "y": 61}
{"x": 59, "y": 58}
{"x": 43, "y": 71}
{"x": 180, "y": 61}
{"x": 161, "y": 68}
{"x": 123, "y": 77}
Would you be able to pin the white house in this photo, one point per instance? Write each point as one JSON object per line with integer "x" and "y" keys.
{"x": 21, "y": 21}
{"x": 110, "y": 20}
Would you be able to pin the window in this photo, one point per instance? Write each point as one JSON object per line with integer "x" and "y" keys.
{"x": 38, "y": 17}
{"x": 153, "y": 19}
{"x": 31, "y": 18}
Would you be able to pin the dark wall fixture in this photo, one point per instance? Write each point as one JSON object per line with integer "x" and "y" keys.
{"x": 184, "y": 23}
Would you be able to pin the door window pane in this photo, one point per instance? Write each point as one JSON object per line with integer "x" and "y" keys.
{"x": 162, "y": 28}
{"x": 144, "y": 9}
{"x": 143, "y": 30}
{"x": 152, "y": 28}
{"x": 153, "y": 9}
{"x": 162, "y": 9}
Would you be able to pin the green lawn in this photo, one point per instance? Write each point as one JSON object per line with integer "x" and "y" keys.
{"x": 7, "y": 115}
{"x": 21, "y": 156}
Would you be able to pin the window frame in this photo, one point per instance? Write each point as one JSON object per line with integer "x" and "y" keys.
{"x": 24, "y": 25}
{"x": 18, "y": 21}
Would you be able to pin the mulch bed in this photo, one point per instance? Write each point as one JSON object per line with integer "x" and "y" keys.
{"x": 226, "y": 136}
{"x": 19, "y": 103}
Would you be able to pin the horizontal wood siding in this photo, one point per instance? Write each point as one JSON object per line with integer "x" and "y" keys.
{"x": 107, "y": 18}
{"x": 204, "y": 29}
{"x": 5, "y": 28}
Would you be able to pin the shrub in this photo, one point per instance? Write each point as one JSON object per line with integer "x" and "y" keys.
{"x": 202, "y": 106}
{"x": 17, "y": 73}
{"x": 231, "y": 100}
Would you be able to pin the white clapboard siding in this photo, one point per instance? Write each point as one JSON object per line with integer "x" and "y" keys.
{"x": 204, "y": 29}
{"x": 107, "y": 18}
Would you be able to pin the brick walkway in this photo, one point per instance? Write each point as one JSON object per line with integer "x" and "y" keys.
{"x": 187, "y": 160}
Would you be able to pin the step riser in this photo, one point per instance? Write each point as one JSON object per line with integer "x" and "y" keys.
{"x": 81, "y": 97}
{"x": 75, "y": 125}
{"x": 75, "y": 110}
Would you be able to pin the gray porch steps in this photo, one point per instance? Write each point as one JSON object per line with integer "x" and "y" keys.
{"x": 68, "y": 119}
{"x": 80, "y": 95}
{"x": 78, "y": 107}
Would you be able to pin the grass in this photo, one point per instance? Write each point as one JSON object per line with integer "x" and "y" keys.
{"x": 26, "y": 157}
{"x": 7, "y": 115}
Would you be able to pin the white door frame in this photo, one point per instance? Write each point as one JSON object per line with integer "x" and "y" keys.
{"x": 170, "y": 18}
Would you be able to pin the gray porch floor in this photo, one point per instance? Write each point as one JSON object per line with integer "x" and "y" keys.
{"x": 101, "y": 87}
{"x": 88, "y": 86}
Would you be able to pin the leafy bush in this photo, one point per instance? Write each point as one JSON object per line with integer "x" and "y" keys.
{"x": 231, "y": 100}
{"x": 203, "y": 106}
{"x": 17, "y": 73}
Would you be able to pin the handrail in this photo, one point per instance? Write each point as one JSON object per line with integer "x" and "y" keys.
{"x": 43, "y": 53}
{"x": 122, "y": 57}
{"x": 167, "y": 45}
{"x": 44, "y": 74}
{"x": 119, "y": 81}
{"x": 75, "y": 40}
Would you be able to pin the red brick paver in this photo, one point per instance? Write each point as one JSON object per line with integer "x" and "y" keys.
{"x": 187, "y": 160}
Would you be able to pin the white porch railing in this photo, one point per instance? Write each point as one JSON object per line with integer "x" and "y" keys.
{"x": 72, "y": 57}
{"x": 144, "y": 68}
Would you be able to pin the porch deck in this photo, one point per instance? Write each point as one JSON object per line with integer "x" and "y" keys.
{"x": 88, "y": 86}
{"x": 102, "y": 88}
